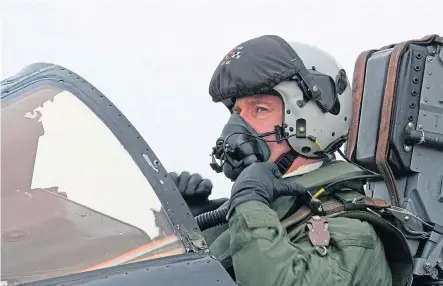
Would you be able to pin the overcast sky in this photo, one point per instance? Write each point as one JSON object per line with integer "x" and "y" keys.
{"x": 154, "y": 59}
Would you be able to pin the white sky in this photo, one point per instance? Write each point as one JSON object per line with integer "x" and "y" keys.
{"x": 154, "y": 59}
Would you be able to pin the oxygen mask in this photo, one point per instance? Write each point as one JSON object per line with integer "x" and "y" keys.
{"x": 239, "y": 146}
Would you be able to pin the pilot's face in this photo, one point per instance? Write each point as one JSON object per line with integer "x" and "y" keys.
{"x": 262, "y": 112}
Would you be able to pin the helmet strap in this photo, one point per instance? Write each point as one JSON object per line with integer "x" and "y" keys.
{"x": 284, "y": 162}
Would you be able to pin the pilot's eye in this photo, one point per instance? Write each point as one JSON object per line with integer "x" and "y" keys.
{"x": 261, "y": 109}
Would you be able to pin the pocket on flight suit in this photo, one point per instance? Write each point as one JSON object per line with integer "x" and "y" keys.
{"x": 351, "y": 243}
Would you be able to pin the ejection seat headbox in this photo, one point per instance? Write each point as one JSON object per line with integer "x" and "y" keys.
{"x": 397, "y": 119}
{"x": 397, "y": 131}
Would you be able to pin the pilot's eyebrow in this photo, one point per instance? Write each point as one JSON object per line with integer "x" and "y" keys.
{"x": 257, "y": 101}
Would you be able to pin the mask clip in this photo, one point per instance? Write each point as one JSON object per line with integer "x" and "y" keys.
{"x": 279, "y": 135}
{"x": 278, "y": 131}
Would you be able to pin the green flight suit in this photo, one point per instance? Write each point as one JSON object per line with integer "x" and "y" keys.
{"x": 258, "y": 248}
{"x": 263, "y": 255}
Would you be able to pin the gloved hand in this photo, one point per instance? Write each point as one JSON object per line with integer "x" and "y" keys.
{"x": 261, "y": 182}
{"x": 196, "y": 190}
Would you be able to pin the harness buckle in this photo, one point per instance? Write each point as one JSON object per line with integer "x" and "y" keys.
{"x": 318, "y": 234}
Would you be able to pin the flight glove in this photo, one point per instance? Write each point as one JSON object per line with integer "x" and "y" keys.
{"x": 261, "y": 182}
{"x": 195, "y": 190}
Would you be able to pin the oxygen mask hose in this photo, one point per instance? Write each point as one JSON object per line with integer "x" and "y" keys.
{"x": 212, "y": 218}
{"x": 218, "y": 216}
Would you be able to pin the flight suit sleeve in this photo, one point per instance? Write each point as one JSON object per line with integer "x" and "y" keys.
{"x": 261, "y": 251}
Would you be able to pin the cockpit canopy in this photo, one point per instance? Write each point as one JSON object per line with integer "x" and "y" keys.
{"x": 73, "y": 198}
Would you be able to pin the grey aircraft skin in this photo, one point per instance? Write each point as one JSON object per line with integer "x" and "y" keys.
{"x": 39, "y": 217}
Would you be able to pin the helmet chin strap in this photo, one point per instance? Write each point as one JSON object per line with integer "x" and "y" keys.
{"x": 284, "y": 162}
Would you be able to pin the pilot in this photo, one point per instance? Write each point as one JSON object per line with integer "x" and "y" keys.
{"x": 290, "y": 106}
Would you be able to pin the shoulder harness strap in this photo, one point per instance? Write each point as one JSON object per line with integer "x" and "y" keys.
{"x": 330, "y": 171}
